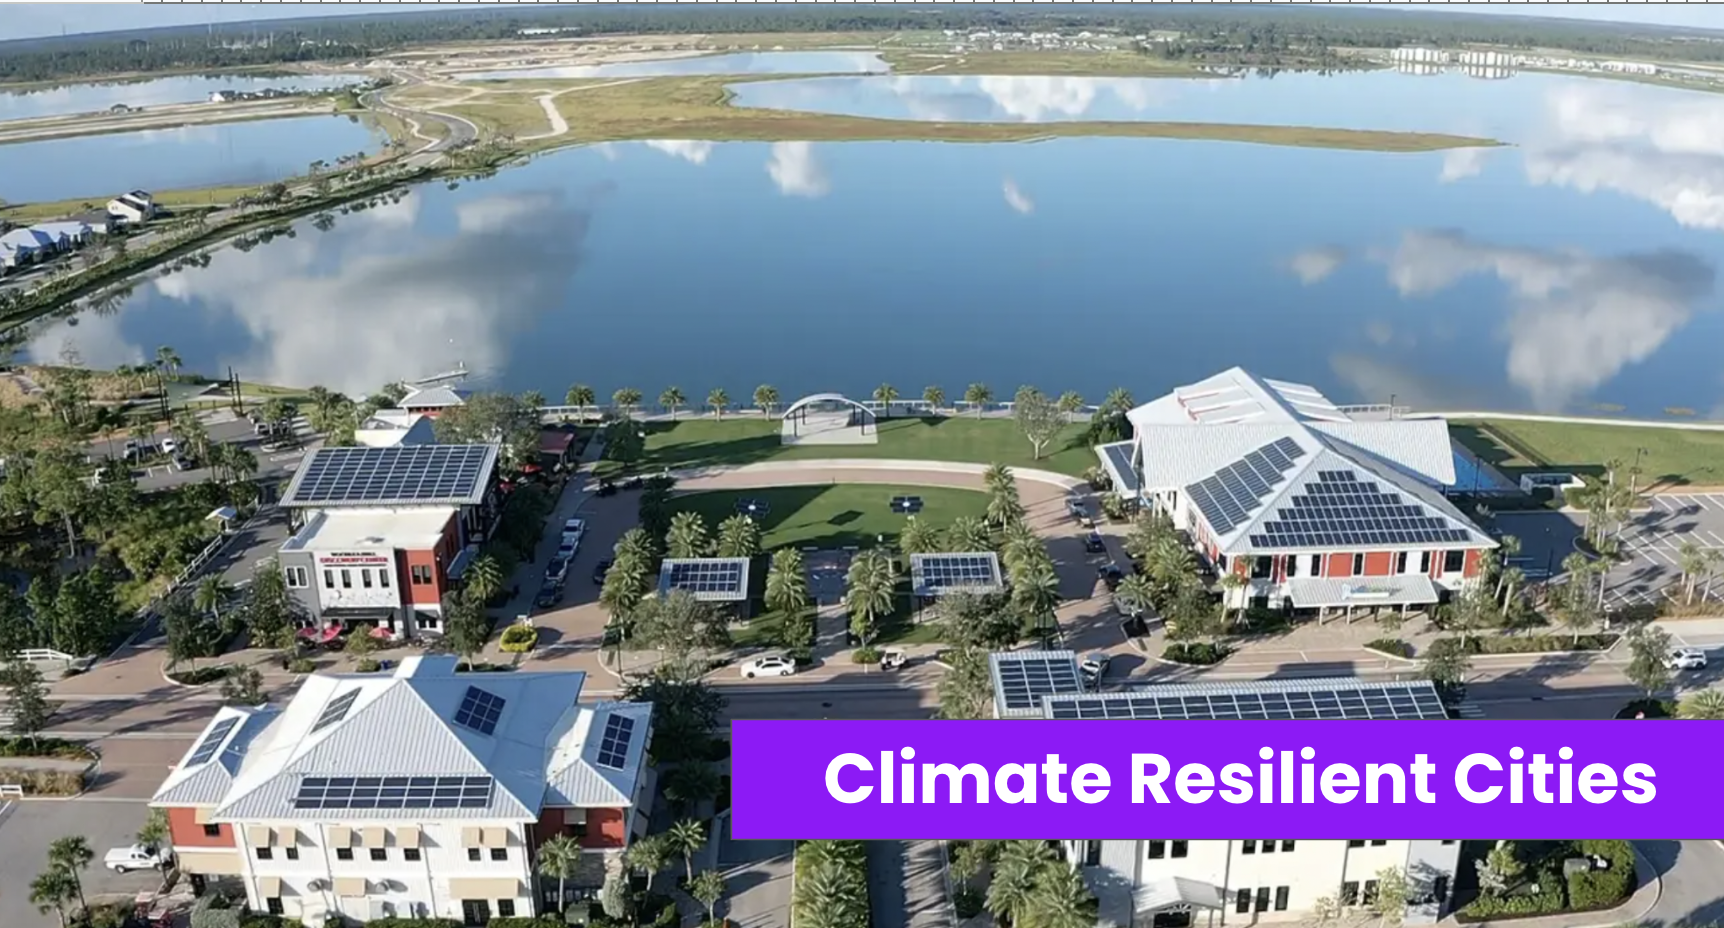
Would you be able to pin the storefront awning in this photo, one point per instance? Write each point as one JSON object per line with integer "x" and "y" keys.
{"x": 1314, "y": 593}
{"x": 1175, "y": 893}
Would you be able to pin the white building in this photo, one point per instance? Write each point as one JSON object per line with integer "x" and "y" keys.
{"x": 387, "y": 428}
{"x": 422, "y": 793}
{"x": 1167, "y": 883}
{"x": 135, "y": 208}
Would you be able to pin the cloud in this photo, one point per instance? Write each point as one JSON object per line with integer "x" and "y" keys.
{"x": 1575, "y": 320}
{"x": 694, "y": 152}
{"x": 1462, "y": 163}
{"x": 1025, "y": 99}
{"x": 797, "y": 172}
{"x": 1648, "y": 143}
{"x": 1315, "y": 265}
{"x": 1016, "y": 199}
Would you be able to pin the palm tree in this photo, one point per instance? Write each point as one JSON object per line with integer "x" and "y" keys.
{"x": 707, "y": 889}
{"x": 626, "y": 400}
{"x": 168, "y": 360}
{"x": 766, "y": 399}
{"x": 998, "y": 479}
{"x": 1017, "y": 870}
{"x": 1231, "y": 584}
{"x": 484, "y": 578}
{"x": 935, "y": 398}
{"x": 533, "y": 400}
{"x": 738, "y": 536}
{"x": 978, "y": 395}
{"x": 1004, "y": 509}
{"x": 918, "y": 537}
{"x": 886, "y": 394}
{"x": 1691, "y": 559}
{"x": 70, "y": 855}
{"x": 968, "y": 534}
{"x": 718, "y": 400}
{"x": 672, "y": 399}
{"x": 52, "y": 891}
{"x": 648, "y": 855}
{"x": 872, "y": 583}
{"x": 1020, "y": 546}
{"x": 1578, "y": 567}
{"x": 582, "y": 398}
{"x": 1061, "y": 900}
{"x": 1703, "y": 706}
{"x": 1069, "y": 403}
{"x": 786, "y": 582}
{"x": 212, "y": 594}
{"x": 687, "y": 536}
{"x": 831, "y": 896}
{"x": 1036, "y": 587}
{"x": 1712, "y": 559}
{"x": 559, "y": 858}
{"x": 1508, "y": 547}
{"x": 1136, "y": 593}
{"x": 687, "y": 837}
{"x": 1118, "y": 400}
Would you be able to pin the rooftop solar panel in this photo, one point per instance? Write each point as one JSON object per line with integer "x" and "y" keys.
{"x": 1022, "y": 679}
{"x": 1342, "y": 510}
{"x": 212, "y": 742}
{"x": 710, "y": 579}
{"x": 1228, "y": 498}
{"x": 1119, "y": 455}
{"x": 614, "y": 743}
{"x": 394, "y": 793}
{"x": 1319, "y": 700}
{"x": 335, "y": 711}
{"x": 423, "y": 474}
{"x": 938, "y": 574}
{"x": 480, "y": 710}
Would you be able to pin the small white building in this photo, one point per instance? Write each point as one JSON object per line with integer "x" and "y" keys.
{"x": 136, "y": 207}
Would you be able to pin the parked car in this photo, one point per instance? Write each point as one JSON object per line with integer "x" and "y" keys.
{"x": 549, "y": 596}
{"x": 601, "y": 569}
{"x": 565, "y": 552}
{"x": 1685, "y": 659}
{"x": 1093, "y": 668}
{"x": 1111, "y": 575}
{"x": 768, "y": 667}
{"x": 181, "y": 462}
{"x": 557, "y": 571}
{"x": 1077, "y": 509}
{"x": 135, "y": 857}
{"x": 1093, "y": 544}
{"x": 573, "y": 531}
{"x": 170, "y": 445}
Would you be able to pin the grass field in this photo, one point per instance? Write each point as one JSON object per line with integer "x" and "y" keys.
{"x": 699, "y": 108}
{"x": 833, "y": 516}
{"x": 180, "y": 199}
{"x": 698, "y": 442}
{"x": 1673, "y": 456}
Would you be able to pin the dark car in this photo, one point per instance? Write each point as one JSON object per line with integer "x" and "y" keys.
{"x": 549, "y": 596}
{"x": 1092, "y": 544}
{"x": 601, "y": 569}
{"x": 1111, "y": 575}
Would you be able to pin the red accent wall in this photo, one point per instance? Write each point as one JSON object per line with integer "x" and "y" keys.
{"x": 186, "y": 832}
{"x": 606, "y": 828}
{"x": 1379, "y": 563}
{"x": 1340, "y": 565}
{"x": 1471, "y": 567}
{"x": 1241, "y": 566}
{"x": 438, "y": 559}
{"x": 1278, "y": 572}
{"x": 1436, "y": 565}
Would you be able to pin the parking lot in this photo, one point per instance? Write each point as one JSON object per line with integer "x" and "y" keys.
{"x": 26, "y": 830}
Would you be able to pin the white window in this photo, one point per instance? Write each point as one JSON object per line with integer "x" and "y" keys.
{"x": 297, "y": 578}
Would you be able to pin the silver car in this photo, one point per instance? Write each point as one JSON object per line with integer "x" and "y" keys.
{"x": 1685, "y": 659}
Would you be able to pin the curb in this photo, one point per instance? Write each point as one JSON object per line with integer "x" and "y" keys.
{"x": 1391, "y": 657}
{"x": 896, "y": 466}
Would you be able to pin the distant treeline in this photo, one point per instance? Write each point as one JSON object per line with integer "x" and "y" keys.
{"x": 1215, "y": 27}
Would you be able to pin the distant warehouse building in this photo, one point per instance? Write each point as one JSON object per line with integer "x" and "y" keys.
{"x": 1168, "y": 883}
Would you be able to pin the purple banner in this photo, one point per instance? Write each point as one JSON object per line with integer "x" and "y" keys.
{"x": 1313, "y": 780}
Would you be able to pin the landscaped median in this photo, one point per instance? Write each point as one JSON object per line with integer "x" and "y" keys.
{"x": 45, "y": 766}
{"x": 829, "y": 886}
{"x": 1494, "y": 645}
{"x": 1499, "y": 881}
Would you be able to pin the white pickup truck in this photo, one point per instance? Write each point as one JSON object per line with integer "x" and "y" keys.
{"x": 136, "y": 857}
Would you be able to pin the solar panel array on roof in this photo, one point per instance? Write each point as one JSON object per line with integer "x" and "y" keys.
{"x": 715, "y": 577}
{"x": 400, "y": 474}
{"x": 1341, "y": 509}
{"x": 394, "y": 793}
{"x": 1228, "y": 498}
{"x": 335, "y": 711}
{"x": 933, "y": 574}
{"x": 1023, "y": 682}
{"x": 212, "y": 742}
{"x": 614, "y": 743}
{"x": 1385, "y": 702}
{"x": 479, "y": 710}
{"x": 1119, "y": 455}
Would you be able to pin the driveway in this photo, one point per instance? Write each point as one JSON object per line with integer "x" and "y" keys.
{"x": 757, "y": 880}
{"x": 907, "y": 885}
{"x": 26, "y": 830}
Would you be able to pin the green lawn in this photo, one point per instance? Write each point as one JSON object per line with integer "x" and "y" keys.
{"x": 1673, "y": 456}
{"x": 695, "y": 442}
{"x": 833, "y": 516}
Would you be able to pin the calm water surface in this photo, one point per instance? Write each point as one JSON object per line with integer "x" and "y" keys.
{"x": 70, "y": 99}
{"x": 825, "y": 62}
{"x": 1576, "y": 268}
{"x": 98, "y": 166}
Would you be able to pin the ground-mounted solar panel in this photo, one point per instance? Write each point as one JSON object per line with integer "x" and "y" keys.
{"x": 480, "y": 710}
{"x": 212, "y": 742}
{"x": 421, "y": 474}
{"x": 1276, "y": 701}
{"x": 614, "y": 742}
{"x": 335, "y": 711}
{"x": 939, "y": 574}
{"x": 710, "y": 579}
{"x": 1022, "y": 679}
{"x": 456, "y": 792}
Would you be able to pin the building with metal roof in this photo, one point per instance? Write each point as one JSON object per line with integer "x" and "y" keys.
{"x": 1316, "y": 506}
{"x": 424, "y": 791}
{"x": 1024, "y": 679}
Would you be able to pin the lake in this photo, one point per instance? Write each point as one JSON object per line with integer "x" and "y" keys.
{"x": 99, "y": 166}
{"x": 71, "y": 99}
{"x": 819, "y": 62}
{"x": 1578, "y": 268}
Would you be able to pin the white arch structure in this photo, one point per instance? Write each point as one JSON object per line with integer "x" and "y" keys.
{"x": 796, "y": 414}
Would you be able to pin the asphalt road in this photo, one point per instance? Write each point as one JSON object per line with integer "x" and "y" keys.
{"x": 457, "y": 131}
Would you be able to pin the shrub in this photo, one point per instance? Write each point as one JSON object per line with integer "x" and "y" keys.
{"x": 44, "y": 782}
{"x": 368, "y": 665}
{"x": 525, "y": 921}
{"x": 45, "y": 747}
{"x": 1654, "y": 709}
{"x": 302, "y": 665}
{"x": 1196, "y": 653}
{"x": 1526, "y": 644}
{"x": 393, "y": 922}
{"x": 207, "y": 914}
{"x": 1596, "y": 889}
{"x": 201, "y": 676}
{"x": 968, "y": 902}
{"x": 519, "y": 639}
{"x": 1394, "y": 646}
{"x": 1549, "y": 900}
{"x": 865, "y": 656}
